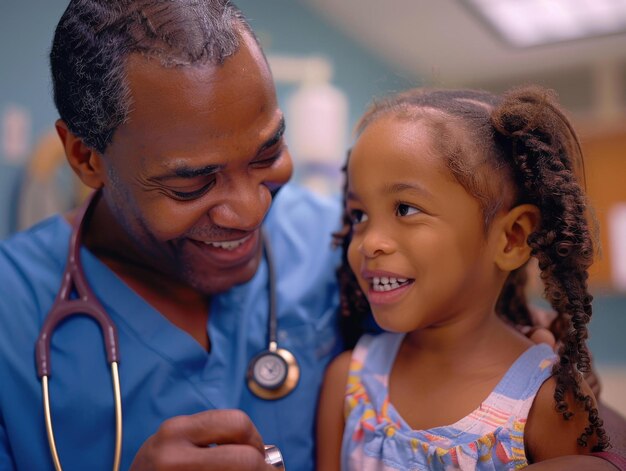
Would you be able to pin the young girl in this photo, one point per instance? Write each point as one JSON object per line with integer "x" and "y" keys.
{"x": 448, "y": 195}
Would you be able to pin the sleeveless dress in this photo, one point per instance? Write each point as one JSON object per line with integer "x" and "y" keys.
{"x": 376, "y": 438}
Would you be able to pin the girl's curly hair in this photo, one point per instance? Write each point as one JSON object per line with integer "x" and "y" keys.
{"x": 519, "y": 144}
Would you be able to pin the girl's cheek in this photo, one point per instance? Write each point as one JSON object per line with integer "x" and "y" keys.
{"x": 353, "y": 256}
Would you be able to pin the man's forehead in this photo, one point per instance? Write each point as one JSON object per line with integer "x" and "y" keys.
{"x": 145, "y": 71}
{"x": 219, "y": 85}
{"x": 247, "y": 59}
{"x": 206, "y": 92}
{"x": 213, "y": 111}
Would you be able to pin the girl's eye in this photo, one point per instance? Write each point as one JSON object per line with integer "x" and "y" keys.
{"x": 406, "y": 210}
{"x": 192, "y": 195}
{"x": 357, "y": 216}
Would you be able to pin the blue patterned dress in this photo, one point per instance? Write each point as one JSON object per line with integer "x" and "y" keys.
{"x": 376, "y": 438}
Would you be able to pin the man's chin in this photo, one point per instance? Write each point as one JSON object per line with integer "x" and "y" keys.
{"x": 217, "y": 282}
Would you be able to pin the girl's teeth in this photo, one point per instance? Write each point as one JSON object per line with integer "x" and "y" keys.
{"x": 387, "y": 283}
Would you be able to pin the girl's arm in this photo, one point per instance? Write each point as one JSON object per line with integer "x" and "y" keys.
{"x": 574, "y": 463}
{"x": 330, "y": 417}
{"x": 548, "y": 435}
{"x": 615, "y": 426}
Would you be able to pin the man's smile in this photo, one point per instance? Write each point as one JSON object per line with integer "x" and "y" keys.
{"x": 227, "y": 253}
{"x": 228, "y": 244}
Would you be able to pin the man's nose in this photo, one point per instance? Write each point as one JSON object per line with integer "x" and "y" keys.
{"x": 243, "y": 207}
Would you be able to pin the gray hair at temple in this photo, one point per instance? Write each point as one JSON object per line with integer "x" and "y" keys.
{"x": 95, "y": 37}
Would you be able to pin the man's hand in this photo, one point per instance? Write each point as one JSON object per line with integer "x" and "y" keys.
{"x": 224, "y": 440}
{"x": 540, "y": 333}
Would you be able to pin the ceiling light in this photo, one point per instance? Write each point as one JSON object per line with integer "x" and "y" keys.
{"x": 525, "y": 23}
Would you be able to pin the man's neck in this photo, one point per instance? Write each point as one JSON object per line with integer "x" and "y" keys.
{"x": 178, "y": 302}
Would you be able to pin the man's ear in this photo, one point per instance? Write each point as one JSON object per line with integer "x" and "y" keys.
{"x": 84, "y": 160}
{"x": 513, "y": 249}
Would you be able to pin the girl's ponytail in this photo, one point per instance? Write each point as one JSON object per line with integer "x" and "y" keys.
{"x": 543, "y": 151}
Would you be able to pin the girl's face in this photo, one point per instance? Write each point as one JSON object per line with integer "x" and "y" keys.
{"x": 419, "y": 249}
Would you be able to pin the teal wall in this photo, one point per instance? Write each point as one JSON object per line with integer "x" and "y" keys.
{"x": 26, "y": 29}
{"x": 295, "y": 29}
{"x": 284, "y": 26}
{"x": 607, "y": 330}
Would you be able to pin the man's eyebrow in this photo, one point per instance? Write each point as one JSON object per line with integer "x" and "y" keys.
{"x": 278, "y": 135}
{"x": 184, "y": 171}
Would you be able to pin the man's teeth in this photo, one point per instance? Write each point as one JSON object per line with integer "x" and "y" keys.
{"x": 228, "y": 245}
{"x": 384, "y": 283}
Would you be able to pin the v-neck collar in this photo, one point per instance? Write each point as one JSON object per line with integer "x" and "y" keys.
{"x": 131, "y": 313}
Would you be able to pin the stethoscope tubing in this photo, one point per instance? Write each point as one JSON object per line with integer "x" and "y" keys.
{"x": 85, "y": 304}
{"x": 272, "y": 321}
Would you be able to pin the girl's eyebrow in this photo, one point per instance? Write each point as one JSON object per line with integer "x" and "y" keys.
{"x": 402, "y": 186}
{"x": 395, "y": 188}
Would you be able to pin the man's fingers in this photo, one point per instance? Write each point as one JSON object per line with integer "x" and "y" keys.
{"x": 237, "y": 457}
{"x": 215, "y": 458}
{"x": 541, "y": 317}
{"x": 541, "y": 335}
{"x": 216, "y": 440}
{"x": 213, "y": 427}
{"x": 538, "y": 335}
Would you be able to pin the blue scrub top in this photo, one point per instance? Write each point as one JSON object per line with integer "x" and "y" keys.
{"x": 163, "y": 371}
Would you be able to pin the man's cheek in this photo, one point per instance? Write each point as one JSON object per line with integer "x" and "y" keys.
{"x": 166, "y": 224}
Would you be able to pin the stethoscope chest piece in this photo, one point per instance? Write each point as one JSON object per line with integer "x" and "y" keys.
{"x": 273, "y": 373}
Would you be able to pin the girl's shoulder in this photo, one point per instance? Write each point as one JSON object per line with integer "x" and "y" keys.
{"x": 547, "y": 433}
{"x": 340, "y": 366}
{"x": 377, "y": 350}
{"x": 369, "y": 350}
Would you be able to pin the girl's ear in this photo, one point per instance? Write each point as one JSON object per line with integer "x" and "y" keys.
{"x": 513, "y": 249}
{"x": 85, "y": 161}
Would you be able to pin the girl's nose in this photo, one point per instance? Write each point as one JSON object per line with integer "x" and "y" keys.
{"x": 375, "y": 242}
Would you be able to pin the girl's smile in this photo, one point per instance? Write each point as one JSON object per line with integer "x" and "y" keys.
{"x": 385, "y": 287}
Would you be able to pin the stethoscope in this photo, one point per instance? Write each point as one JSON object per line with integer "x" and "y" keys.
{"x": 271, "y": 374}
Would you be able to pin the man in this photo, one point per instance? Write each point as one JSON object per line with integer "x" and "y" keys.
{"x": 168, "y": 109}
